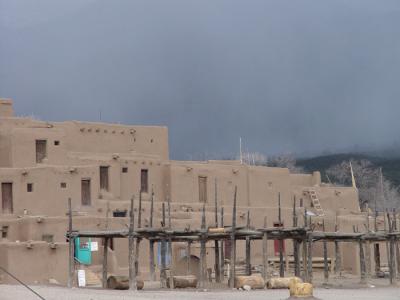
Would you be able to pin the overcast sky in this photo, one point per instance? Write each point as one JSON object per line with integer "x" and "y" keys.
{"x": 287, "y": 76}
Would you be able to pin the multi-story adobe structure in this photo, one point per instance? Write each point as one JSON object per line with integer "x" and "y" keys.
{"x": 101, "y": 166}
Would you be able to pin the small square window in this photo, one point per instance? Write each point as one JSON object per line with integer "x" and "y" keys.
{"x": 4, "y": 232}
{"x": 29, "y": 187}
{"x": 56, "y": 143}
{"x": 63, "y": 185}
{"x": 124, "y": 170}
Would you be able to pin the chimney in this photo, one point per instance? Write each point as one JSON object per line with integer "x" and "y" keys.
{"x": 6, "y": 108}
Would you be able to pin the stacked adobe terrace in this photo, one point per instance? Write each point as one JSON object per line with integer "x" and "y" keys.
{"x": 101, "y": 166}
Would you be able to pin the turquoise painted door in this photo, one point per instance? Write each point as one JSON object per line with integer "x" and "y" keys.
{"x": 83, "y": 253}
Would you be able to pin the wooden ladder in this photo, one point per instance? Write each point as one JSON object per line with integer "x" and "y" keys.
{"x": 315, "y": 202}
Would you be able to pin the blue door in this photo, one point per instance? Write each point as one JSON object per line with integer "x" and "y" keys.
{"x": 83, "y": 253}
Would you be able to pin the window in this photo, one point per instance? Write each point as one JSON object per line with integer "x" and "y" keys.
{"x": 56, "y": 143}
{"x": 41, "y": 150}
{"x": 104, "y": 178}
{"x": 144, "y": 180}
{"x": 63, "y": 185}
{"x": 29, "y": 187}
{"x": 4, "y": 232}
{"x": 124, "y": 170}
{"x": 202, "y": 189}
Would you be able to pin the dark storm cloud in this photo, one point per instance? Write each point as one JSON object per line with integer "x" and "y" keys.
{"x": 292, "y": 76}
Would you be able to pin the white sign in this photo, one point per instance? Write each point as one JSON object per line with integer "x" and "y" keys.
{"x": 94, "y": 246}
{"x": 81, "y": 278}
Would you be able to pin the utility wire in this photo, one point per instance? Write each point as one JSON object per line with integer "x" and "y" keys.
{"x": 5, "y": 271}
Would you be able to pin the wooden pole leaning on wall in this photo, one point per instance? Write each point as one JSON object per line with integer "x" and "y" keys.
{"x": 138, "y": 240}
{"x": 396, "y": 244}
{"x": 151, "y": 242}
{"x": 367, "y": 244}
{"x": 105, "y": 263}
{"x": 163, "y": 275}
{"x": 216, "y": 242}
{"x": 222, "y": 248}
{"x": 265, "y": 252}
{"x": 71, "y": 264}
{"x": 325, "y": 246}
{"x": 131, "y": 257}
{"x": 232, "y": 270}
{"x": 203, "y": 266}
{"x": 295, "y": 242}
{"x": 280, "y": 241}
{"x": 248, "y": 247}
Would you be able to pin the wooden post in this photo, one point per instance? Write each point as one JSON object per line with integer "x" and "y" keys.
{"x": 216, "y": 242}
{"x": 188, "y": 255}
{"x": 171, "y": 285}
{"x": 295, "y": 243}
{"x": 392, "y": 267}
{"x": 309, "y": 253}
{"x": 233, "y": 244}
{"x": 151, "y": 242}
{"x": 338, "y": 259}
{"x": 71, "y": 240}
{"x": 203, "y": 266}
{"x": 305, "y": 269}
{"x": 222, "y": 264}
{"x": 248, "y": 248}
{"x": 163, "y": 275}
{"x": 397, "y": 246}
{"x": 265, "y": 252}
{"x": 326, "y": 269}
{"x": 105, "y": 262}
{"x": 367, "y": 249}
{"x": 377, "y": 254}
{"x": 139, "y": 225}
{"x": 131, "y": 258}
{"x": 362, "y": 260}
{"x": 280, "y": 241}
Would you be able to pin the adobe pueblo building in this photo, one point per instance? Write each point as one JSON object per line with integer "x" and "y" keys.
{"x": 100, "y": 167}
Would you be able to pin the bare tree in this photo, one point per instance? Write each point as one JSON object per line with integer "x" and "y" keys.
{"x": 285, "y": 161}
{"x": 376, "y": 191}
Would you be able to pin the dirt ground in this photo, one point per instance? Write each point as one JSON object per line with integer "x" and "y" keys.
{"x": 13, "y": 292}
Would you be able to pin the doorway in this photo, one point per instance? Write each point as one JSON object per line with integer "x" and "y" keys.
{"x": 104, "y": 178}
{"x": 276, "y": 242}
{"x": 85, "y": 186}
{"x": 41, "y": 150}
{"x": 7, "y": 197}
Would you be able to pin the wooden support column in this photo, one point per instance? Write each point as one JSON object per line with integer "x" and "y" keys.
{"x": 305, "y": 256}
{"x": 248, "y": 248}
{"x": 233, "y": 244}
{"x": 105, "y": 263}
{"x": 203, "y": 266}
{"x": 71, "y": 240}
{"x": 222, "y": 264}
{"x": 326, "y": 269}
{"x": 265, "y": 252}
{"x": 216, "y": 242}
{"x": 131, "y": 257}
{"x": 171, "y": 284}
{"x": 139, "y": 225}
{"x": 362, "y": 261}
{"x": 163, "y": 275}
{"x": 295, "y": 243}
{"x": 188, "y": 255}
{"x": 392, "y": 267}
{"x": 151, "y": 242}
{"x": 338, "y": 259}
{"x": 310, "y": 264}
{"x": 280, "y": 242}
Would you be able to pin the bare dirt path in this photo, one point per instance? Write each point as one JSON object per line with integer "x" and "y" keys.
{"x": 13, "y": 292}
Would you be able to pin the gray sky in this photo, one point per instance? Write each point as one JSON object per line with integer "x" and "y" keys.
{"x": 288, "y": 76}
